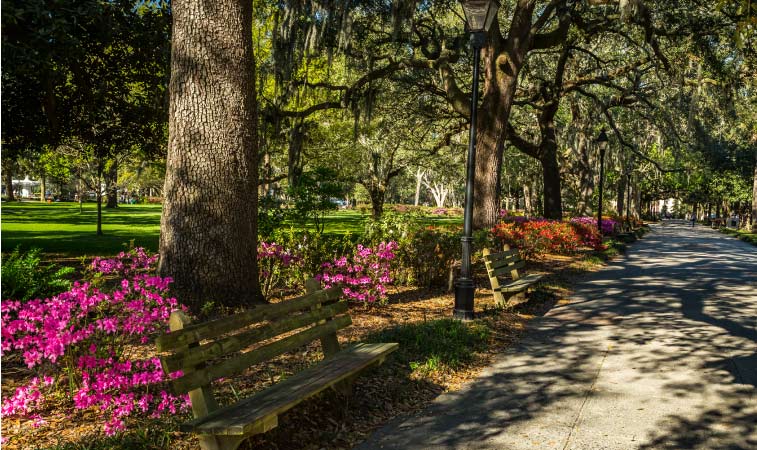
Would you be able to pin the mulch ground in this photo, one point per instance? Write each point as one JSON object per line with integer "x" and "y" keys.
{"x": 328, "y": 421}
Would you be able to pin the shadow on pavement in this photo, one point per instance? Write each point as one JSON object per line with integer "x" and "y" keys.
{"x": 659, "y": 350}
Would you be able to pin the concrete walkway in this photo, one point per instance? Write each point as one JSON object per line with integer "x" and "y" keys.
{"x": 658, "y": 351}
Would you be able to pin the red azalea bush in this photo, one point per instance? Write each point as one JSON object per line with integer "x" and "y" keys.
{"x": 83, "y": 344}
{"x": 535, "y": 237}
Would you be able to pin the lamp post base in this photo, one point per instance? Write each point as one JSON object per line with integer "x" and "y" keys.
{"x": 464, "y": 292}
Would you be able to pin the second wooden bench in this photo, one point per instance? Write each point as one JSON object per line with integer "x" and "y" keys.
{"x": 503, "y": 265}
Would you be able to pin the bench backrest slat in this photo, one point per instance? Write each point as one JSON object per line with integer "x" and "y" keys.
{"x": 503, "y": 262}
{"x": 240, "y": 362}
{"x": 491, "y": 257}
{"x": 506, "y": 270}
{"x": 209, "y": 330}
{"x": 190, "y": 357}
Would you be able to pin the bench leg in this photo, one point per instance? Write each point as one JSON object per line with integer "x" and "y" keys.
{"x": 212, "y": 442}
{"x": 344, "y": 387}
{"x": 217, "y": 442}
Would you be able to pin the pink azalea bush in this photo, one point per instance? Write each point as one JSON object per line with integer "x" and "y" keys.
{"x": 363, "y": 275}
{"x": 608, "y": 224}
{"x": 80, "y": 344}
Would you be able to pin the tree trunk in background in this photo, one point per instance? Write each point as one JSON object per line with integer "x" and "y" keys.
{"x": 419, "y": 174}
{"x": 378, "y": 195}
{"x": 42, "y": 188}
{"x": 586, "y": 176}
{"x": 8, "y": 178}
{"x": 551, "y": 179}
{"x": 111, "y": 184}
{"x": 621, "y": 200}
{"x": 527, "y": 207}
{"x": 753, "y": 218}
{"x": 208, "y": 240}
{"x": 99, "y": 191}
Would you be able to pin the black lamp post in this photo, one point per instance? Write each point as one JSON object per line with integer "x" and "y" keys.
{"x": 479, "y": 15}
{"x": 602, "y": 142}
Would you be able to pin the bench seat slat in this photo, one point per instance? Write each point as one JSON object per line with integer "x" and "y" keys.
{"x": 208, "y": 330}
{"x": 242, "y": 417}
{"x": 240, "y": 362}
{"x": 520, "y": 284}
{"x": 190, "y": 357}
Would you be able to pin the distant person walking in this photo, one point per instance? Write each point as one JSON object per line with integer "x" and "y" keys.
{"x": 693, "y": 219}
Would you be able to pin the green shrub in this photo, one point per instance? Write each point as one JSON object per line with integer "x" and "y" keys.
{"x": 314, "y": 249}
{"x": 436, "y": 345}
{"x": 24, "y": 277}
{"x": 425, "y": 252}
{"x": 313, "y": 197}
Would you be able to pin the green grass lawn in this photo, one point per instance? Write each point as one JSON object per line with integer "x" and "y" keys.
{"x": 60, "y": 229}
{"x": 744, "y": 235}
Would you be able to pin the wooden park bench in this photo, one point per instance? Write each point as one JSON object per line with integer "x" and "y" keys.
{"x": 626, "y": 232}
{"x": 208, "y": 351}
{"x": 507, "y": 264}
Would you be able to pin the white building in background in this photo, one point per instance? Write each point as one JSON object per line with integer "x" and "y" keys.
{"x": 668, "y": 206}
{"x": 23, "y": 188}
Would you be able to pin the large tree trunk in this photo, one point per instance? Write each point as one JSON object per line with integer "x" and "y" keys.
{"x": 500, "y": 83}
{"x": 208, "y": 240}
{"x": 111, "y": 183}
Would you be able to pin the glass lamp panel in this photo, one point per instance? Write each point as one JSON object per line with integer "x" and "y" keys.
{"x": 492, "y": 13}
{"x": 476, "y": 14}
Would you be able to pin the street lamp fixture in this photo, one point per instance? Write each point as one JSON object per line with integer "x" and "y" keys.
{"x": 602, "y": 143}
{"x": 479, "y": 15}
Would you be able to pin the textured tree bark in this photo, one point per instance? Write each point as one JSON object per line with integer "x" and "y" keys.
{"x": 208, "y": 236}
{"x": 502, "y": 59}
